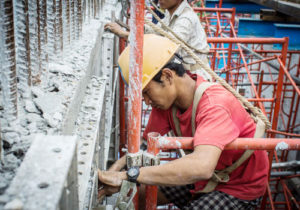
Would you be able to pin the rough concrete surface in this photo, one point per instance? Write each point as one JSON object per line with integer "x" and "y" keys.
{"x": 45, "y": 110}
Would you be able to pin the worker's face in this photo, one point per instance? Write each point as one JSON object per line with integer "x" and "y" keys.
{"x": 169, "y": 4}
{"x": 161, "y": 95}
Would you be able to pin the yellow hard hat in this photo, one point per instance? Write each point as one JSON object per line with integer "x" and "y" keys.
{"x": 157, "y": 52}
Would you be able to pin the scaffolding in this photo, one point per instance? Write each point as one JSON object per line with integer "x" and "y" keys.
{"x": 264, "y": 71}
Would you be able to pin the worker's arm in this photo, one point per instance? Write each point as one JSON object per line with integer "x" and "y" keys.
{"x": 189, "y": 169}
{"x": 117, "y": 29}
{"x": 196, "y": 166}
{"x": 119, "y": 164}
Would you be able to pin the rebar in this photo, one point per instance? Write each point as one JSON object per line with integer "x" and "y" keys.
{"x": 59, "y": 27}
{"x": 51, "y": 28}
{"x": 84, "y": 13}
{"x": 33, "y": 43}
{"x": 23, "y": 64}
{"x": 72, "y": 20}
{"x": 79, "y": 16}
{"x": 76, "y": 19}
{"x": 89, "y": 9}
{"x": 95, "y": 8}
{"x": 67, "y": 22}
{"x": 8, "y": 60}
{"x": 43, "y": 43}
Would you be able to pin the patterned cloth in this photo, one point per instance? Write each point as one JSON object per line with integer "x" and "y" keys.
{"x": 216, "y": 200}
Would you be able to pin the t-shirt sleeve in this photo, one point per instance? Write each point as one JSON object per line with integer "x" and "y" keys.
{"x": 158, "y": 122}
{"x": 215, "y": 127}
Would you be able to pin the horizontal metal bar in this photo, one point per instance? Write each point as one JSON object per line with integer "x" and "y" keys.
{"x": 207, "y": 9}
{"x": 251, "y": 72}
{"x": 237, "y": 144}
{"x": 246, "y": 40}
{"x": 290, "y": 164}
{"x": 284, "y": 173}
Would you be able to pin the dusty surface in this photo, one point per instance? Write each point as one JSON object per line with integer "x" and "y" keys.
{"x": 43, "y": 110}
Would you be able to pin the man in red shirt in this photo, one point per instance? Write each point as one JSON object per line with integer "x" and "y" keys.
{"x": 219, "y": 119}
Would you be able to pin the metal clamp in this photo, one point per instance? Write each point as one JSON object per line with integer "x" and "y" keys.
{"x": 150, "y": 160}
{"x": 127, "y": 193}
{"x": 134, "y": 159}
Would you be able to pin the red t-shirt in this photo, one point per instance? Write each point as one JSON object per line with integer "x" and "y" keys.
{"x": 220, "y": 119}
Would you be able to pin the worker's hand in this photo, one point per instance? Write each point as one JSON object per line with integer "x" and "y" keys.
{"x": 106, "y": 190}
{"x": 112, "y": 178}
{"x": 109, "y": 182}
{"x": 115, "y": 28}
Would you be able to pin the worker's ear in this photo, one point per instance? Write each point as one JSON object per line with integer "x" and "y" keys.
{"x": 167, "y": 75}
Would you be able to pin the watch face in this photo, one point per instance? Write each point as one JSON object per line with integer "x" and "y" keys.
{"x": 133, "y": 172}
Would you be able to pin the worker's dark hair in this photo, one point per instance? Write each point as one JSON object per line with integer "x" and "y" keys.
{"x": 174, "y": 65}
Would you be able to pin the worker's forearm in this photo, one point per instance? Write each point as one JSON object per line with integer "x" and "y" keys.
{"x": 124, "y": 34}
{"x": 119, "y": 164}
{"x": 182, "y": 171}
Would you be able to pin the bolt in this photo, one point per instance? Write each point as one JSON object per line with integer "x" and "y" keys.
{"x": 57, "y": 150}
{"x": 43, "y": 185}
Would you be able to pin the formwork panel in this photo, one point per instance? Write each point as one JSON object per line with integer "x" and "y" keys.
{"x": 46, "y": 178}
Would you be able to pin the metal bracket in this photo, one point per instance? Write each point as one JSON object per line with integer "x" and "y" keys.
{"x": 134, "y": 159}
{"x": 127, "y": 193}
{"x": 150, "y": 160}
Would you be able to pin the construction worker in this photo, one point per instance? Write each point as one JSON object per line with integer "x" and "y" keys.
{"x": 190, "y": 182}
{"x": 182, "y": 19}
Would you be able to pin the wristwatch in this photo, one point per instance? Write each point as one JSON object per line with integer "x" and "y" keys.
{"x": 133, "y": 173}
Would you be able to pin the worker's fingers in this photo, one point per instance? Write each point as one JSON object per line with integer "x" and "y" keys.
{"x": 106, "y": 191}
{"x": 101, "y": 194}
{"x": 111, "y": 190}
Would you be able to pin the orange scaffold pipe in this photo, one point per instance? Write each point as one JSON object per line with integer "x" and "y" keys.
{"x": 238, "y": 144}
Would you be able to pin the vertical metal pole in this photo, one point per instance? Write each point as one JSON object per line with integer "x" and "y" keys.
{"x": 8, "y": 75}
{"x": 279, "y": 85}
{"x": 151, "y": 190}
{"x": 122, "y": 105}
{"x": 220, "y": 3}
{"x": 135, "y": 74}
{"x": 135, "y": 79}
{"x": 230, "y": 45}
{"x": 277, "y": 107}
{"x": 261, "y": 79}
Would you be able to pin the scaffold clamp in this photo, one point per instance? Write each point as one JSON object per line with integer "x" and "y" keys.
{"x": 150, "y": 160}
{"x": 127, "y": 193}
{"x": 134, "y": 159}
